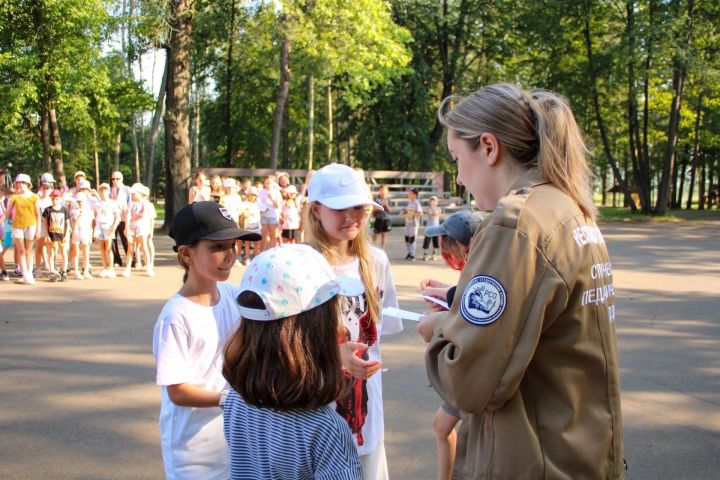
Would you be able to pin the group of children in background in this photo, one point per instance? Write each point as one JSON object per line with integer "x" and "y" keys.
{"x": 273, "y": 207}
{"x": 52, "y": 230}
{"x": 412, "y": 214}
{"x": 279, "y": 377}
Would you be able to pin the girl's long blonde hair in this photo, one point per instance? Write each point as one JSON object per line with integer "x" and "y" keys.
{"x": 537, "y": 129}
{"x": 360, "y": 247}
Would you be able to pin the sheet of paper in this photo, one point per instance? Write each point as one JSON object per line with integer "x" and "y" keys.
{"x": 442, "y": 303}
{"x": 402, "y": 314}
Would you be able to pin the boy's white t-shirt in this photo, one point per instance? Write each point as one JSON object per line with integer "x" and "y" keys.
{"x": 105, "y": 212}
{"x": 362, "y": 408}
{"x": 188, "y": 343}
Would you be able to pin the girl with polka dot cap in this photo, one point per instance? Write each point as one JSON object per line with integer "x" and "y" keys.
{"x": 284, "y": 366}
{"x": 336, "y": 225}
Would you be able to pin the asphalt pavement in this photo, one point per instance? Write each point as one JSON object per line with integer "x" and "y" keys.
{"x": 78, "y": 399}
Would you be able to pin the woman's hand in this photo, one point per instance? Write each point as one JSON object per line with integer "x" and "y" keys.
{"x": 356, "y": 366}
{"x": 436, "y": 289}
{"x": 425, "y": 327}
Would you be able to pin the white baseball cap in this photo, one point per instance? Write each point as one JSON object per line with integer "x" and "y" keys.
{"x": 291, "y": 279}
{"x": 339, "y": 187}
{"x": 84, "y": 184}
{"x": 140, "y": 188}
{"x": 47, "y": 178}
{"x": 291, "y": 189}
{"x": 230, "y": 183}
{"x": 24, "y": 178}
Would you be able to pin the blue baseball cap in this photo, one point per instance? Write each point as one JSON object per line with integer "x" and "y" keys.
{"x": 460, "y": 226}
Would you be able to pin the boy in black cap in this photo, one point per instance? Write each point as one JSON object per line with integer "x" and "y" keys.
{"x": 188, "y": 342}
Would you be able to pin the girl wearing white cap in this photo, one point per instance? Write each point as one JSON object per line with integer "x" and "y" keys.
{"x": 24, "y": 204}
{"x": 277, "y": 418}
{"x": 47, "y": 183}
{"x": 290, "y": 216}
{"x": 139, "y": 222}
{"x": 336, "y": 225}
{"x": 82, "y": 231}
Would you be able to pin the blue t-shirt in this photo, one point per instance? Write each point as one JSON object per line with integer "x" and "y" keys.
{"x": 300, "y": 444}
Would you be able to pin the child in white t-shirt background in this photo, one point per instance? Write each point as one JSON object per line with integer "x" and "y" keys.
{"x": 413, "y": 213}
{"x": 107, "y": 218}
{"x": 188, "y": 342}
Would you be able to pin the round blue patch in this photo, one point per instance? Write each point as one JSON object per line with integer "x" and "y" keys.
{"x": 483, "y": 300}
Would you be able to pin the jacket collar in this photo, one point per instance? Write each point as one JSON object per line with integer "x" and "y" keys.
{"x": 527, "y": 181}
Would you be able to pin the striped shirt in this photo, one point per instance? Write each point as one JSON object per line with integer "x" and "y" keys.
{"x": 301, "y": 444}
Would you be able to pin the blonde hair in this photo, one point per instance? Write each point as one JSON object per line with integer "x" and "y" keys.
{"x": 360, "y": 247}
{"x": 538, "y": 130}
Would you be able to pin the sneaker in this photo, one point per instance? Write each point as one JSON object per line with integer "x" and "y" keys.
{"x": 111, "y": 273}
{"x": 412, "y": 258}
{"x": 25, "y": 281}
{"x": 103, "y": 273}
{"x": 425, "y": 257}
{"x": 5, "y": 276}
{"x": 79, "y": 276}
{"x": 63, "y": 277}
{"x": 150, "y": 272}
{"x": 433, "y": 258}
{"x": 87, "y": 274}
{"x": 245, "y": 261}
{"x": 126, "y": 272}
{"x": 408, "y": 256}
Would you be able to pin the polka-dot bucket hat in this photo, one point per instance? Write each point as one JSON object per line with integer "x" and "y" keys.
{"x": 291, "y": 279}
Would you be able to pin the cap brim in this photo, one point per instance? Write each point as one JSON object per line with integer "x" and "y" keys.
{"x": 347, "y": 201}
{"x": 233, "y": 232}
{"x": 350, "y": 287}
{"x": 435, "y": 231}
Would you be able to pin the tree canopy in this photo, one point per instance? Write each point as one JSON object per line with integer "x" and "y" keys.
{"x": 299, "y": 83}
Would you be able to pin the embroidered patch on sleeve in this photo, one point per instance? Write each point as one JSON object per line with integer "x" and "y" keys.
{"x": 483, "y": 300}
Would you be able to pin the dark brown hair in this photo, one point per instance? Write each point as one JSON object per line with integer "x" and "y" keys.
{"x": 287, "y": 364}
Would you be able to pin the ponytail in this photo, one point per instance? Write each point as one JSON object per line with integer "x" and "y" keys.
{"x": 537, "y": 130}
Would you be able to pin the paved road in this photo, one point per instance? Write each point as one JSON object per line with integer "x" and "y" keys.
{"x": 78, "y": 400}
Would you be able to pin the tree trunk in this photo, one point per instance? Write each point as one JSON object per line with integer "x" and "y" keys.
{"x": 229, "y": 150}
{"x": 155, "y": 127}
{"x": 311, "y": 120}
{"x": 177, "y": 138}
{"x": 598, "y": 115}
{"x": 696, "y": 150}
{"x": 683, "y": 172}
{"x": 96, "y": 158}
{"x": 116, "y": 160}
{"x": 330, "y": 122}
{"x": 701, "y": 186}
{"x": 282, "y": 96}
{"x": 196, "y": 127}
{"x": 449, "y": 55}
{"x": 286, "y": 136}
{"x": 678, "y": 83}
{"x": 136, "y": 150}
{"x": 57, "y": 152}
{"x": 45, "y": 138}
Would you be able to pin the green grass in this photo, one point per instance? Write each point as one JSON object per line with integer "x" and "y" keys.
{"x": 160, "y": 210}
{"x": 621, "y": 214}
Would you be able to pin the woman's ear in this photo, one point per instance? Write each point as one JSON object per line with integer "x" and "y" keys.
{"x": 490, "y": 147}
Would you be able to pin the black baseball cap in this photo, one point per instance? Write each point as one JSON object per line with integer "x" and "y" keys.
{"x": 206, "y": 221}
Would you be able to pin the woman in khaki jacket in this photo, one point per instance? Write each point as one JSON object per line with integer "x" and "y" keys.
{"x": 528, "y": 348}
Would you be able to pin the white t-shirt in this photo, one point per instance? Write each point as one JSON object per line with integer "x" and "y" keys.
{"x": 250, "y": 216}
{"x": 105, "y": 213}
{"x": 362, "y": 408}
{"x": 188, "y": 343}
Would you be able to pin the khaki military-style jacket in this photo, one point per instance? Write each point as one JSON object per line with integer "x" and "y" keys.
{"x": 528, "y": 348}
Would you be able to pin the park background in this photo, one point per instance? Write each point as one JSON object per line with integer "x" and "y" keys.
{"x": 155, "y": 88}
